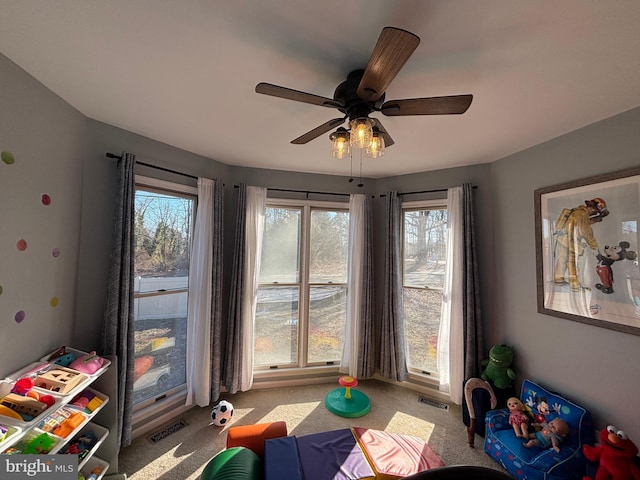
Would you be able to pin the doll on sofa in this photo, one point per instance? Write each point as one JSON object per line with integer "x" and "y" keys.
{"x": 550, "y": 435}
{"x": 518, "y": 417}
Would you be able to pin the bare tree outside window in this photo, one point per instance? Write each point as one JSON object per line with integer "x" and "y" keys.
{"x": 162, "y": 229}
{"x": 301, "y": 308}
{"x": 424, "y": 264}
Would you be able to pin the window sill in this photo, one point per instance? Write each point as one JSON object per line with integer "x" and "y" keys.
{"x": 291, "y": 377}
{"x": 286, "y": 377}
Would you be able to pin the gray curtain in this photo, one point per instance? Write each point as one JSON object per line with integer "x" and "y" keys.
{"x": 217, "y": 344}
{"x": 366, "y": 348}
{"x": 117, "y": 331}
{"x": 393, "y": 361}
{"x": 233, "y": 354}
{"x": 472, "y": 313}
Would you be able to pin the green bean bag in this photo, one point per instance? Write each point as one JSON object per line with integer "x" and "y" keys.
{"x": 236, "y": 463}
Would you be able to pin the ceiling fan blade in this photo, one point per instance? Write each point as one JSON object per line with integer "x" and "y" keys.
{"x": 388, "y": 141}
{"x": 290, "y": 94}
{"x": 451, "y": 105}
{"x": 316, "y": 132}
{"x": 393, "y": 49}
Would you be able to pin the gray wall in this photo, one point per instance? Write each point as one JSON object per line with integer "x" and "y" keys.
{"x": 60, "y": 152}
{"x": 47, "y": 138}
{"x": 597, "y": 367}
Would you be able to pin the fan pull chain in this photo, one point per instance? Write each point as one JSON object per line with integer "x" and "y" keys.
{"x": 350, "y": 166}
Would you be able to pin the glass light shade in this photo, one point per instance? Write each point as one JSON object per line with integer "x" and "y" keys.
{"x": 361, "y": 132}
{"x": 375, "y": 148}
{"x": 340, "y": 147}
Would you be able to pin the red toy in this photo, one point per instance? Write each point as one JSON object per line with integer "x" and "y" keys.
{"x": 23, "y": 386}
{"x": 615, "y": 456}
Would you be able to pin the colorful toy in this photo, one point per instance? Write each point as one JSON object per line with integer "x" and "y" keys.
{"x": 497, "y": 368}
{"x": 53, "y": 421}
{"x": 518, "y": 417}
{"x": 42, "y": 443}
{"x": 9, "y": 412}
{"x": 614, "y": 456}
{"x": 88, "y": 364}
{"x": 611, "y": 255}
{"x": 47, "y": 399}
{"x": 347, "y": 382}
{"x": 94, "y": 473}
{"x": 23, "y": 386}
{"x": 33, "y": 403}
{"x": 68, "y": 425}
{"x": 82, "y": 400}
{"x": 94, "y": 403}
{"x": 87, "y": 401}
{"x": 346, "y": 402}
{"x": 62, "y": 357}
{"x": 59, "y": 380}
{"x": 27, "y": 407}
{"x": 81, "y": 445}
{"x": 222, "y": 413}
{"x": 551, "y": 434}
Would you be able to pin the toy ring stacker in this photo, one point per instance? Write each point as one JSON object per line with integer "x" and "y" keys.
{"x": 346, "y": 402}
{"x": 348, "y": 382}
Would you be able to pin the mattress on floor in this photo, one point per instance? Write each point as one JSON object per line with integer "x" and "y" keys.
{"x": 281, "y": 459}
{"x": 393, "y": 456}
{"x": 333, "y": 455}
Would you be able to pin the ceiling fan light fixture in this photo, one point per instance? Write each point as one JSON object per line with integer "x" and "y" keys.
{"x": 375, "y": 148}
{"x": 361, "y": 132}
{"x": 340, "y": 144}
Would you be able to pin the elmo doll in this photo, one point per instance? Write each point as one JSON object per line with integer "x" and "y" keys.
{"x": 614, "y": 456}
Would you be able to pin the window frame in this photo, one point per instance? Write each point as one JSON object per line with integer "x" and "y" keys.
{"x": 165, "y": 187}
{"x": 306, "y": 207}
{"x": 416, "y": 374}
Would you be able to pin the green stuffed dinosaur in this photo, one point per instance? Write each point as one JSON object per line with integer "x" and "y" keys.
{"x": 497, "y": 368}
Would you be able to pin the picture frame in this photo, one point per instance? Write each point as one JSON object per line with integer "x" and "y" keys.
{"x": 587, "y": 244}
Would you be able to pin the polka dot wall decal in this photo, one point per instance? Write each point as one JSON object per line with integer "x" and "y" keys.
{"x": 20, "y": 316}
{"x": 53, "y": 302}
{"x": 7, "y": 157}
{"x": 55, "y": 252}
{"x": 46, "y": 199}
{"x": 21, "y": 245}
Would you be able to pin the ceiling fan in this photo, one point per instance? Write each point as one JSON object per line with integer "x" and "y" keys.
{"x": 363, "y": 92}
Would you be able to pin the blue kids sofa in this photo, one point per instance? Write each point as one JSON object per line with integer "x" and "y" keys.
{"x": 536, "y": 463}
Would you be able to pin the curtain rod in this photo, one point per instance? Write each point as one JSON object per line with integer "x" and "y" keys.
{"x": 119, "y": 157}
{"x": 307, "y": 192}
{"x": 437, "y": 190}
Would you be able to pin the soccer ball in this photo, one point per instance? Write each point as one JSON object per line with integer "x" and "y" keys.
{"x": 222, "y": 413}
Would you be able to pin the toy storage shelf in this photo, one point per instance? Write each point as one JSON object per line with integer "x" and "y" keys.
{"x": 90, "y": 419}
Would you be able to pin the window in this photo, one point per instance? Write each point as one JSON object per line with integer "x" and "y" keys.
{"x": 164, "y": 214}
{"x": 424, "y": 265}
{"x": 302, "y": 294}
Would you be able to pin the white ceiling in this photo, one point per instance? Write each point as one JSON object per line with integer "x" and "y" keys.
{"x": 184, "y": 72}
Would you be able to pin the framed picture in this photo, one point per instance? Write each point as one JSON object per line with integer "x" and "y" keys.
{"x": 587, "y": 250}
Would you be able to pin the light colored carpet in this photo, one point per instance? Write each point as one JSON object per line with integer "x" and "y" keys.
{"x": 183, "y": 454}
